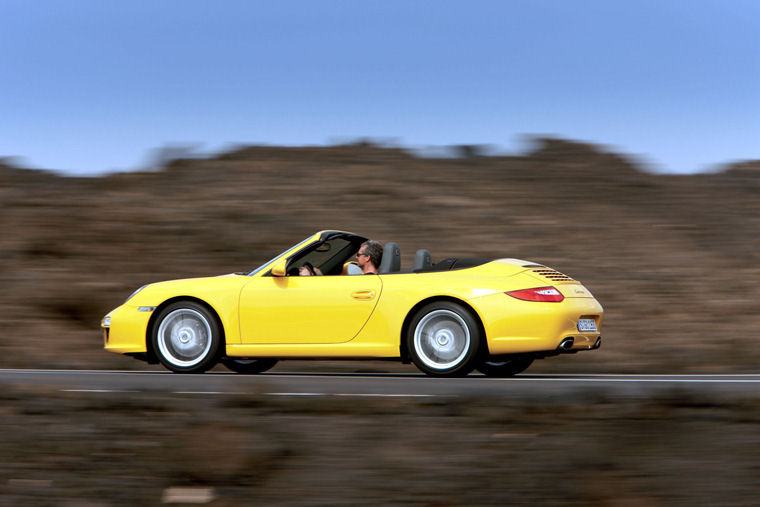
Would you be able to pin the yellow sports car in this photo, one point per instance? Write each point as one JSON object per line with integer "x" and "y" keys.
{"x": 448, "y": 318}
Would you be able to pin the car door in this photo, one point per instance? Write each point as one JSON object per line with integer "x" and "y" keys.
{"x": 307, "y": 309}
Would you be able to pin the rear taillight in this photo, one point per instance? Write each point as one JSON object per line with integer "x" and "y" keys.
{"x": 540, "y": 294}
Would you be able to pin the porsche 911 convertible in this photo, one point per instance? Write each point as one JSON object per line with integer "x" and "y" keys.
{"x": 448, "y": 318}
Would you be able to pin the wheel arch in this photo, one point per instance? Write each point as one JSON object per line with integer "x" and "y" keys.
{"x": 152, "y": 356}
{"x": 404, "y": 351}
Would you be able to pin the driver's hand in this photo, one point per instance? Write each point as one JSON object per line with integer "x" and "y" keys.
{"x": 304, "y": 271}
{"x": 318, "y": 271}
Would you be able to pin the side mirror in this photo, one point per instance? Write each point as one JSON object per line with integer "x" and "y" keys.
{"x": 279, "y": 268}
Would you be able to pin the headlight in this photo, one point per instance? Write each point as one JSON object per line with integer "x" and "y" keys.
{"x": 135, "y": 293}
{"x": 106, "y": 321}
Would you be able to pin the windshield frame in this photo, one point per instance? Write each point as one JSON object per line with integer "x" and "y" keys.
{"x": 310, "y": 239}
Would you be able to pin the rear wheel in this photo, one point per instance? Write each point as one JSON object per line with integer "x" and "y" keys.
{"x": 186, "y": 337}
{"x": 245, "y": 365}
{"x": 444, "y": 339}
{"x": 505, "y": 367}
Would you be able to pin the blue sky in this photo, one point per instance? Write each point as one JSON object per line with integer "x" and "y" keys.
{"x": 92, "y": 86}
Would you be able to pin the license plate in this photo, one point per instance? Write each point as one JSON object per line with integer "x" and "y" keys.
{"x": 585, "y": 325}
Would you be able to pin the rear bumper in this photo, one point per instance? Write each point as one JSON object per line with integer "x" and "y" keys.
{"x": 515, "y": 327}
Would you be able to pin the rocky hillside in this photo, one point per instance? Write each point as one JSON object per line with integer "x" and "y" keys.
{"x": 673, "y": 259}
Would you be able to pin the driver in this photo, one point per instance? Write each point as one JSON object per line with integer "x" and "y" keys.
{"x": 369, "y": 256}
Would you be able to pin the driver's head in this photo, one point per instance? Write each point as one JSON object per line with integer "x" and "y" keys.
{"x": 370, "y": 251}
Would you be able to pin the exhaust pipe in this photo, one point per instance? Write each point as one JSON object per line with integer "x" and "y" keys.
{"x": 566, "y": 345}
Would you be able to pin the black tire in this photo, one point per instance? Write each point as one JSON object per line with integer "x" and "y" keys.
{"x": 186, "y": 337}
{"x": 244, "y": 365}
{"x": 504, "y": 367}
{"x": 444, "y": 340}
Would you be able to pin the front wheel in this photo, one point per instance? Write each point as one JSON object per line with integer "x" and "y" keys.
{"x": 186, "y": 337}
{"x": 243, "y": 365}
{"x": 444, "y": 339}
{"x": 505, "y": 367}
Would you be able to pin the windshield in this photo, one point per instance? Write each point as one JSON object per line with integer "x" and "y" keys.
{"x": 267, "y": 263}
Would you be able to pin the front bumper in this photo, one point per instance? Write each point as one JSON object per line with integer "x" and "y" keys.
{"x": 128, "y": 330}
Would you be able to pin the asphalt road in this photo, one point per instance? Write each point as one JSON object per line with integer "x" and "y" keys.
{"x": 388, "y": 385}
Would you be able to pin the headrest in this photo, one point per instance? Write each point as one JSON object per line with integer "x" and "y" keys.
{"x": 421, "y": 260}
{"x": 391, "y": 261}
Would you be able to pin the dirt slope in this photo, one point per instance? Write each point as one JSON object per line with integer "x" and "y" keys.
{"x": 673, "y": 259}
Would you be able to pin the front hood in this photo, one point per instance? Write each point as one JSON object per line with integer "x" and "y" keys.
{"x": 193, "y": 281}
{"x": 155, "y": 293}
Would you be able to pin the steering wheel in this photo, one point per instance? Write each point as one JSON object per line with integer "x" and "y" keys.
{"x": 310, "y": 267}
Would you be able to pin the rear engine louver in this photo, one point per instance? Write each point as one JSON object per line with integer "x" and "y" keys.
{"x": 553, "y": 275}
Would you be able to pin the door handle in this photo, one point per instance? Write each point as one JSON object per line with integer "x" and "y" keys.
{"x": 363, "y": 294}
